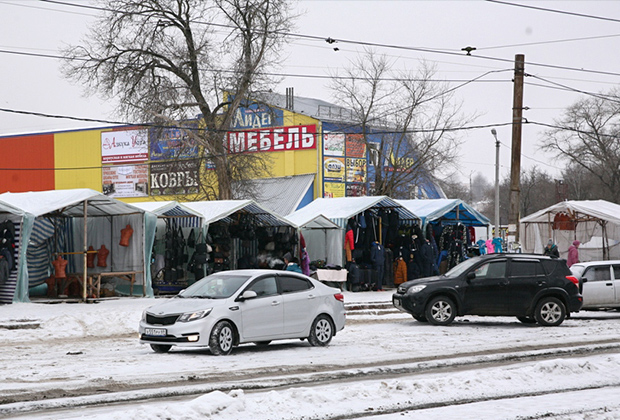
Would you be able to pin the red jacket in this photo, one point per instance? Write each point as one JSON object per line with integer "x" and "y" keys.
{"x": 348, "y": 239}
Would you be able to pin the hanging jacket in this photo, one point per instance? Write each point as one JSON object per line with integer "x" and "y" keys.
{"x": 400, "y": 271}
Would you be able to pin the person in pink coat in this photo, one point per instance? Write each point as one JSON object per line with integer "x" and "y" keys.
{"x": 573, "y": 253}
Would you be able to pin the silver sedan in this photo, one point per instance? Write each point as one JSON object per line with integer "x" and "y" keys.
{"x": 230, "y": 308}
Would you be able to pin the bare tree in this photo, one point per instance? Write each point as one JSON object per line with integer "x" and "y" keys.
{"x": 166, "y": 61}
{"x": 588, "y": 137}
{"x": 407, "y": 120}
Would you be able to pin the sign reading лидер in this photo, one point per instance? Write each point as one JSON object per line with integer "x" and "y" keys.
{"x": 124, "y": 146}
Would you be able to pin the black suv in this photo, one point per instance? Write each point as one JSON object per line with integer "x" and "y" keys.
{"x": 533, "y": 288}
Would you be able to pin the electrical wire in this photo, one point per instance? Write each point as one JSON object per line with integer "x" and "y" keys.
{"x": 544, "y": 9}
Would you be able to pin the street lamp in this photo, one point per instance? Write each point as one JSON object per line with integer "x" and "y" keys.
{"x": 496, "y": 234}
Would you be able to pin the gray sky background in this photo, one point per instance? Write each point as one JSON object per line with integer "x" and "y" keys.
{"x": 553, "y": 44}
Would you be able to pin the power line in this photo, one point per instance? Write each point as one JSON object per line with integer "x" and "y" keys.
{"x": 374, "y": 44}
{"x": 544, "y": 9}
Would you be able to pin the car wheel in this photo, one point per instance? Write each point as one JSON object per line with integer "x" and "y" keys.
{"x": 321, "y": 332}
{"x": 222, "y": 339}
{"x": 262, "y": 343}
{"x": 550, "y": 312}
{"x": 527, "y": 319}
{"x": 420, "y": 318}
{"x": 161, "y": 348}
{"x": 440, "y": 311}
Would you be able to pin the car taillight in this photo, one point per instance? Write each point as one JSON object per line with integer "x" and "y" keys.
{"x": 574, "y": 280}
{"x": 339, "y": 296}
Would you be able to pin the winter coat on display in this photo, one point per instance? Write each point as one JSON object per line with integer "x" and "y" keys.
{"x": 400, "y": 271}
{"x": 377, "y": 255}
{"x": 305, "y": 262}
{"x": 388, "y": 275}
{"x": 426, "y": 263}
{"x": 498, "y": 245}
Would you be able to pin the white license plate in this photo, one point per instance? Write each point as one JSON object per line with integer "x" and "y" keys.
{"x": 158, "y": 332}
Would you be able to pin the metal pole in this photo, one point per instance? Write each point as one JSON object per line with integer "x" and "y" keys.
{"x": 496, "y": 232}
{"x": 515, "y": 166}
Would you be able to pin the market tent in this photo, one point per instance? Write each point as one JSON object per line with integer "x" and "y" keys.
{"x": 19, "y": 219}
{"x": 445, "y": 210}
{"x": 340, "y": 210}
{"x": 85, "y": 217}
{"x": 322, "y": 236}
{"x": 595, "y": 223}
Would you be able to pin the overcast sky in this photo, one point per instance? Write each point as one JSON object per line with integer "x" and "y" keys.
{"x": 564, "y": 53}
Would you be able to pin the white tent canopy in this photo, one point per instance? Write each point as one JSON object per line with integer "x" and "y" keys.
{"x": 340, "y": 210}
{"x": 103, "y": 217}
{"x": 172, "y": 209}
{"x": 324, "y": 238}
{"x": 213, "y": 211}
{"x": 595, "y": 222}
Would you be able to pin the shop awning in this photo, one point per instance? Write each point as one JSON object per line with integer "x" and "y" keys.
{"x": 448, "y": 210}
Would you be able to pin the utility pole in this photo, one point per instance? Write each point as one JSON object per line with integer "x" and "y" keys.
{"x": 515, "y": 165}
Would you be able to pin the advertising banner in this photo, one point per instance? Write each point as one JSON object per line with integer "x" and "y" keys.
{"x": 333, "y": 189}
{"x": 355, "y": 146}
{"x": 333, "y": 144}
{"x": 356, "y": 190}
{"x": 356, "y": 170}
{"x": 275, "y": 139}
{"x": 333, "y": 169}
{"x": 171, "y": 178}
{"x": 125, "y": 181}
{"x": 257, "y": 116}
{"x": 171, "y": 143}
{"x": 124, "y": 146}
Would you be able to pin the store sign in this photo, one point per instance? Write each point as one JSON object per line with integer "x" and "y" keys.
{"x": 333, "y": 169}
{"x": 172, "y": 178}
{"x": 172, "y": 143}
{"x": 355, "y": 145}
{"x": 256, "y": 116}
{"x": 333, "y": 144}
{"x": 277, "y": 139}
{"x": 356, "y": 190}
{"x": 124, "y": 146}
{"x": 125, "y": 181}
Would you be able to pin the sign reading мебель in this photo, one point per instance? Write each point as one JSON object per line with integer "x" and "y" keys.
{"x": 172, "y": 178}
{"x": 125, "y": 181}
{"x": 273, "y": 139}
{"x": 124, "y": 146}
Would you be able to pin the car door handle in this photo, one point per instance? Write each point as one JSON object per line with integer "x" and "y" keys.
{"x": 541, "y": 282}
{"x": 275, "y": 303}
{"x": 609, "y": 284}
{"x": 310, "y": 296}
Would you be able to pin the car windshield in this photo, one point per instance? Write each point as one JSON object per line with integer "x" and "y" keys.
{"x": 215, "y": 286}
{"x": 459, "y": 269}
{"x": 577, "y": 270}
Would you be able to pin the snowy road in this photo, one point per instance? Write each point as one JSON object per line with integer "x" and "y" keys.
{"x": 85, "y": 354}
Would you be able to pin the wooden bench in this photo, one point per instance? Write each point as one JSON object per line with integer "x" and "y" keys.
{"x": 95, "y": 280}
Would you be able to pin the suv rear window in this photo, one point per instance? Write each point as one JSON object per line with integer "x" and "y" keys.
{"x": 552, "y": 265}
{"x": 526, "y": 268}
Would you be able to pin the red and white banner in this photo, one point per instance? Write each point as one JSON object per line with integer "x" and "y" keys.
{"x": 124, "y": 146}
{"x": 273, "y": 139}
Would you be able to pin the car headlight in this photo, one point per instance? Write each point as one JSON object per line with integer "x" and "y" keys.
{"x": 193, "y": 316}
{"x": 415, "y": 289}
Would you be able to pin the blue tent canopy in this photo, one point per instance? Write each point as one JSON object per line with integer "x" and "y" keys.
{"x": 445, "y": 210}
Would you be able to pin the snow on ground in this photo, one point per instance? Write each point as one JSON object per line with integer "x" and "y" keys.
{"x": 75, "y": 344}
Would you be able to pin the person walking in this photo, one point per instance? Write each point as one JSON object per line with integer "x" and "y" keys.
{"x": 551, "y": 250}
{"x": 573, "y": 254}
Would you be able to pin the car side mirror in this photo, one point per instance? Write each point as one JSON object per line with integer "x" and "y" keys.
{"x": 471, "y": 276}
{"x": 248, "y": 294}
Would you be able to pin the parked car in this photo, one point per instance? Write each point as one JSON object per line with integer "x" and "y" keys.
{"x": 599, "y": 283}
{"x": 533, "y": 288}
{"x": 229, "y": 308}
